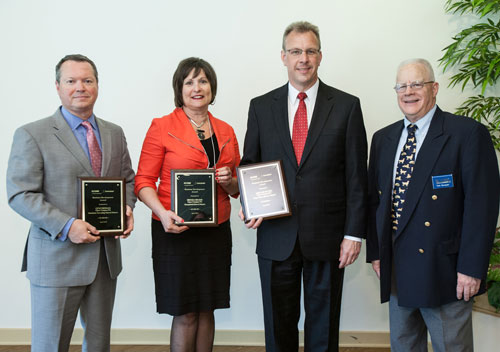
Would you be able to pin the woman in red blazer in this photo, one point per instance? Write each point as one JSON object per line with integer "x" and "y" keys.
{"x": 191, "y": 265}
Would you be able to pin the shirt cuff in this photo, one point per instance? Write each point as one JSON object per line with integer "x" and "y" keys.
{"x": 352, "y": 238}
{"x": 65, "y": 230}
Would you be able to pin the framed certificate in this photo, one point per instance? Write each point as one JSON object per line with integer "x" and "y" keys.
{"x": 102, "y": 204}
{"x": 194, "y": 197}
{"x": 263, "y": 191}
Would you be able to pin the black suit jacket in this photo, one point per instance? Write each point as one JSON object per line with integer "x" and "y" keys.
{"x": 441, "y": 230}
{"x": 328, "y": 189}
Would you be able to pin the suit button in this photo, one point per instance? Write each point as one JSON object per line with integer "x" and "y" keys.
{"x": 379, "y": 192}
{"x": 421, "y": 250}
{"x": 427, "y": 224}
{"x": 299, "y": 178}
{"x": 434, "y": 197}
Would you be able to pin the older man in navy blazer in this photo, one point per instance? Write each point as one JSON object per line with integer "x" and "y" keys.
{"x": 434, "y": 194}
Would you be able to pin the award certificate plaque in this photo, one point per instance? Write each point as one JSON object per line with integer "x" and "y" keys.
{"x": 194, "y": 197}
{"x": 263, "y": 191}
{"x": 102, "y": 204}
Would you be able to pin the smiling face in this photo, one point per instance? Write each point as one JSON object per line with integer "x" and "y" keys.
{"x": 77, "y": 88}
{"x": 416, "y": 103}
{"x": 196, "y": 92}
{"x": 302, "y": 69}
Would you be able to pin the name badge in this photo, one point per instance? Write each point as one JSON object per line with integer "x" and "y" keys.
{"x": 442, "y": 181}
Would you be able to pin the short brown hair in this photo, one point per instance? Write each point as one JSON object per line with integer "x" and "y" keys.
{"x": 184, "y": 69}
{"x": 77, "y": 58}
{"x": 301, "y": 27}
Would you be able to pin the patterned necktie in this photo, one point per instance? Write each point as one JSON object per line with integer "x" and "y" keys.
{"x": 94, "y": 150}
{"x": 404, "y": 170}
{"x": 299, "y": 132}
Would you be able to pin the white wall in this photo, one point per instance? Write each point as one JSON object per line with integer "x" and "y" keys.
{"x": 137, "y": 45}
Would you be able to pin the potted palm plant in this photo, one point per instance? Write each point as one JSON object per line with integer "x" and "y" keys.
{"x": 474, "y": 58}
{"x": 493, "y": 279}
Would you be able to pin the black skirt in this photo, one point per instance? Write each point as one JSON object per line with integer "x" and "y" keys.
{"x": 192, "y": 270}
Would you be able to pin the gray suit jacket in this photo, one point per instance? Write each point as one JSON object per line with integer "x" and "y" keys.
{"x": 42, "y": 176}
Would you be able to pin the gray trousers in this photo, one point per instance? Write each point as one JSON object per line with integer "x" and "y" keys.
{"x": 54, "y": 311}
{"x": 449, "y": 325}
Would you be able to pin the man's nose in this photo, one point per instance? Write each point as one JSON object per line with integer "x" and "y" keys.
{"x": 304, "y": 57}
{"x": 80, "y": 85}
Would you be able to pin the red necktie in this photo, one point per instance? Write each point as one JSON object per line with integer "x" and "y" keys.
{"x": 299, "y": 132}
{"x": 94, "y": 150}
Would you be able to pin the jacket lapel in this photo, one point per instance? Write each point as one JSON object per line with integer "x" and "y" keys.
{"x": 222, "y": 137}
{"x": 388, "y": 153}
{"x": 387, "y": 150}
{"x": 106, "y": 145}
{"x": 426, "y": 159}
{"x": 321, "y": 113}
{"x": 63, "y": 132}
{"x": 280, "y": 115}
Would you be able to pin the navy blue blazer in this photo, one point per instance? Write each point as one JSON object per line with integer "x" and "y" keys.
{"x": 441, "y": 231}
{"x": 328, "y": 190}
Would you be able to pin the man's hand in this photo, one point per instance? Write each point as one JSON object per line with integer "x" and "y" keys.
{"x": 467, "y": 286}
{"x": 376, "y": 267}
{"x": 250, "y": 224}
{"x": 349, "y": 251}
{"x": 130, "y": 224}
{"x": 82, "y": 232}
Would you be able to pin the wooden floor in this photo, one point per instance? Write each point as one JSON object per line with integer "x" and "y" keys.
{"x": 151, "y": 348}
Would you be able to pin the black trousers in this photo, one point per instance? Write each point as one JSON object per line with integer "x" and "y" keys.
{"x": 281, "y": 289}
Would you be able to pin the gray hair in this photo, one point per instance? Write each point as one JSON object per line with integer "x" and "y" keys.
{"x": 426, "y": 64}
{"x": 301, "y": 27}
{"x": 77, "y": 58}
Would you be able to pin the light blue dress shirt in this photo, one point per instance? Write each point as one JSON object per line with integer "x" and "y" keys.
{"x": 422, "y": 129}
{"x": 80, "y": 132}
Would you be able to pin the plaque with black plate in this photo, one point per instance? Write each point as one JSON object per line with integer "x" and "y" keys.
{"x": 102, "y": 204}
{"x": 194, "y": 197}
{"x": 263, "y": 191}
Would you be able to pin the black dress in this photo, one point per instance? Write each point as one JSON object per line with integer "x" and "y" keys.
{"x": 192, "y": 269}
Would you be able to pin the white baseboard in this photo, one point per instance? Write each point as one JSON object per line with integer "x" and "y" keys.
{"x": 222, "y": 337}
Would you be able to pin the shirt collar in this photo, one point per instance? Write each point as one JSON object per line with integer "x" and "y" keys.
{"x": 424, "y": 122}
{"x": 311, "y": 92}
{"x": 74, "y": 121}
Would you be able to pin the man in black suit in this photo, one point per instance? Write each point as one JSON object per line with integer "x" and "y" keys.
{"x": 321, "y": 140}
{"x": 434, "y": 193}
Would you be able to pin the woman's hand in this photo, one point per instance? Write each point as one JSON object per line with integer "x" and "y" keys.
{"x": 168, "y": 219}
{"x": 224, "y": 177}
{"x": 149, "y": 197}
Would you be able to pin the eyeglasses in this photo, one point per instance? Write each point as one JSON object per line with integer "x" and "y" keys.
{"x": 298, "y": 52}
{"x": 401, "y": 88}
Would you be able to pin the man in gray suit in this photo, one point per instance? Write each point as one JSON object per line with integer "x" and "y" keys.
{"x": 70, "y": 267}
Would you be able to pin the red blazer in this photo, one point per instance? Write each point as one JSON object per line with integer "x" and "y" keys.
{"x": 171, "y": 143}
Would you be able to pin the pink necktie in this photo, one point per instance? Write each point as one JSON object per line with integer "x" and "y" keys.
{"x": 94, "y": 150}
{"x": 299, "y": 132}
